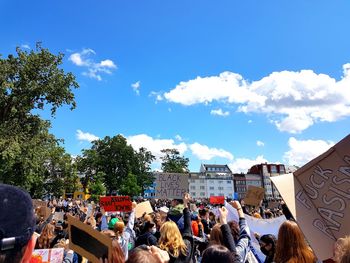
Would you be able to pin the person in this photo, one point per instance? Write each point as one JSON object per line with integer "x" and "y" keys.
{"x": 217, "y": 253}
{"x": 291, "y": 246}
{"x": 216, "y": 237}
{"x": 147, "y": 237}
{"x": 146, "y": 254}
{"x": 17, "y": 224}
{"x": 179, "y": 247}
{"x": 241, "y": 248}
{"x": 268, "y": 247}
{"x": 117, "y": 253}
{"x": 46, "y": 237}
{"x": 342, "y": 250}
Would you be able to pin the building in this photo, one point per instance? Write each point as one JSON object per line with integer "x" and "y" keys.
{"x": 219, "y": 180}
{"x": 240, "y": 185}
{"x": 197, "y": 185}
{"x": 265, "y": 171}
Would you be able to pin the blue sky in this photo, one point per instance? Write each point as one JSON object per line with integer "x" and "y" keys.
{"x": 234, "y": 82}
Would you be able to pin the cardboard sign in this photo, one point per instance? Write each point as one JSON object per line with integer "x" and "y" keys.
{"x": 54, "y": 255}
{"x": 273, "y": 204}
{"x": 171, "y": 185}
{"x": 38, "y": 203}
{"x": 88, "y": 242}
{"x": 116, "y": 203}
{"x": 318, "y": 197}
{"x": 217, "y": 200}
{"x": 254, "y": 195}
{"x": 144, "y": 207}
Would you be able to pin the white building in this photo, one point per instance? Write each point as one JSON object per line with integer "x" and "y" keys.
{"x": 212, "y": 180}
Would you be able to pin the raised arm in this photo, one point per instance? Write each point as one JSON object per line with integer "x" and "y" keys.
{"x": 187, "y": 216}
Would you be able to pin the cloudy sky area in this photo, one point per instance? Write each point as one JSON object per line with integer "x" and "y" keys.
{"x": 226, "y": 82}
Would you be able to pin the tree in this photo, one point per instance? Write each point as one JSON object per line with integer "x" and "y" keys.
{"x": 28, "y": 82}
{"x": 172, "y": 162}
{"x": 124, "y": 170}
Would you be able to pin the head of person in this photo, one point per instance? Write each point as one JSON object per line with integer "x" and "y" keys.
{"x": 119, "y": 228}
{"x": 112, "y": 222}
{"x": 234, "y": 229}
{"x": 98, "y": 217}
{"x": 216, "y": 237}
{"x": 171, "y": 240}
{"x": 117, "y": 252}
{"x": 91, "y": 222}
{"x": 176, "y": 202}
{"x": 46, "y": 236}
{"x": 217, "y": 253}
{"x": 149, "y": 226}
{"x": 342, "y": 250}
{"x": 17, "y": 223}
{"x": 212, "y": 216}
{"x": 204, "y": 214}
{"x": 141, "y": 254}
{"x": 267, "y": 244}
{"x": 163, "y": 212}
{"x": 291, "y": 245}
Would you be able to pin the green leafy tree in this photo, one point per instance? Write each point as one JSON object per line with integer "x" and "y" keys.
{"x": 130, "y": 186}
{"x": 173, "y": 162}
{"x": 144, "y": 175}
{"x": 29, "y": 81}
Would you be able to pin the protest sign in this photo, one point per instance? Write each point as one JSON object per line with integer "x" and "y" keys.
{"x": 89, "y": 242}
{"x": 54, "y": 255}
{"x": 318, "y": 197}
{"x": 273, "y": 204}
{"x": 58, "y": 216}
{"x": 116, "y": 203}
{"x": 217, "y": 200}
{"x": 144, "y": 207}
{"x": 171, "y": 185}
{"x": 38, "y": 203}
{"x": 254, "y": 195}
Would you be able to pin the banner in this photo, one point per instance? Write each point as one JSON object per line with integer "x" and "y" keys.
{"x": 318, "y": 196}
{"x": 254, "y": 195}
{"x": 89, "y": 242}
{"x": 217, "y": 200}
{"x": 116, "y": 203}
{"x": 144, "y": 207}
{"x": 54, "y": 255}
{"x": 171, "y": 185}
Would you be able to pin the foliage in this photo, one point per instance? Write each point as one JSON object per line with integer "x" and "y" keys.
{"x": 122, "y": 167}
{"x": 28, "y": 82}
{"x": 172, "y": 162}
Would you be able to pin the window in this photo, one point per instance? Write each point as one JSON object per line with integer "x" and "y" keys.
{"x": 211, "y": 188}
{"x": 201, "y": 181}
{"x": 193, "y": 194}
{"x": 202, "y": 194}
{"x": 273, "y": 169}
{"x": 228, "y": 182}
{"x": 220, "y": 188}
{"x": 282, "y": 170}
{"x": 192, "y": 180}
{"x": 212, "y": 194}
{"x": 201, "y": 187}
{"x": 193, "y": 187}
{"x": 220, "y": 182}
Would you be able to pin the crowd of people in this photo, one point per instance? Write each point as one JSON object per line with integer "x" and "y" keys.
{"x": 183, "y": 230}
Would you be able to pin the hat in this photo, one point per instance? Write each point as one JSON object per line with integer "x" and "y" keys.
{"x": 17, "y": 220}
{"x": 112, "y": 223}
{"x": 164, "y": 209}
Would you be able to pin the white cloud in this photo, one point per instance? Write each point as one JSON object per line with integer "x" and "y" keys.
{"x": 136, "y": 87}
{"x": 85, "y": 136}
{"x": 203, "y": 152}
{"x": 25, "y": 46}
{"x": 157, "y": 95}
{"x": 292, "y": 100}
{"x": 241, "y": 165}
{"x": 250, "y": 121}
{"x": 260, "y": 143}
{"x": 219, "y": 112}
{"x": 178, "y": 137}
{"x": 94, "y": 70}
{"x": 303, "y": 151}
{"x": 155, "y": 145}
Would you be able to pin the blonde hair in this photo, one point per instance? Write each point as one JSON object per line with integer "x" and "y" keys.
{"x": 171, "y": 240}
{"x": 47, "y": 234}
{"x": 342, "y": 250}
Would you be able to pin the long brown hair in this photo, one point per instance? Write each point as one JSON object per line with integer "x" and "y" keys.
{"x": 47, "y": 234}
{"x": 216, "y": 237}
{"x": 291, "y": 245}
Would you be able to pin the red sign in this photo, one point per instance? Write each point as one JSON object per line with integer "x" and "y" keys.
{"x": 217, "y": 200}
{"x": 116, "y": 203}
